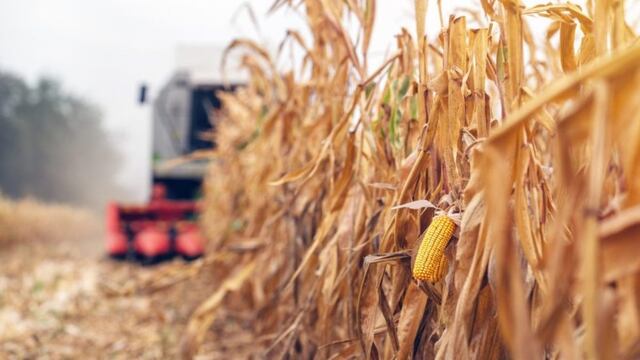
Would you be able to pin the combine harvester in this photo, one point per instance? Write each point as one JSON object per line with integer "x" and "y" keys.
{"x": 166, "y": 226}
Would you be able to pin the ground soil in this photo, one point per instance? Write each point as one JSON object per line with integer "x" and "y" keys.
{"x": 67, "y": 300}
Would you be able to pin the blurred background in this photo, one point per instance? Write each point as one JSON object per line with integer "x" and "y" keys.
{"x": 71, "y": 129}
{"x": 73, "y": 136}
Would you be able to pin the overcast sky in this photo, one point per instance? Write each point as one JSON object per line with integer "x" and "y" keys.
{"x": 102, "y": 50}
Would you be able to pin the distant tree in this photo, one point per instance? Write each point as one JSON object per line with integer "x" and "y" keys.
{"x": 53, "y": 145}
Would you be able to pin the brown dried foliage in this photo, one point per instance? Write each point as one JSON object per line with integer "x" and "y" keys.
{"x": 326, "y": 175}
{"x": 29, "y": 222}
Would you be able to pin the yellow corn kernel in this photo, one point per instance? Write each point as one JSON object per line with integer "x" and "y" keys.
{"x": 441, "y": 269}
{"x": 431, "y": 264}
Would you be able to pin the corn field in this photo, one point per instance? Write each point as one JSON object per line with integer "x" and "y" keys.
{"x": 327, "y": 175}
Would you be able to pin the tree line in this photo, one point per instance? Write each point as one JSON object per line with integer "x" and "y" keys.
{"x": 53, "y": 145}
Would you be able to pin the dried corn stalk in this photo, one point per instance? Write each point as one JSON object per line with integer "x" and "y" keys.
{"x": 326, "y": 176}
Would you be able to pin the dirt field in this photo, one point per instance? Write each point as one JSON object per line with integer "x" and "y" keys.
{"x": 66, "y": 300}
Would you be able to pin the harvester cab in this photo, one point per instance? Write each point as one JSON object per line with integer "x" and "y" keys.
{"x": 166, "y": 226}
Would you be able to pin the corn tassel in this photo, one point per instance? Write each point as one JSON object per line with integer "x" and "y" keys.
{"x": 430, "y": 263}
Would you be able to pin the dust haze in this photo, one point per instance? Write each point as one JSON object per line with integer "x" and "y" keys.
{"x": 53, "y": 145}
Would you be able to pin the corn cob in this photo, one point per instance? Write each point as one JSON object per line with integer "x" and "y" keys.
{"x": 431, "y": 264}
